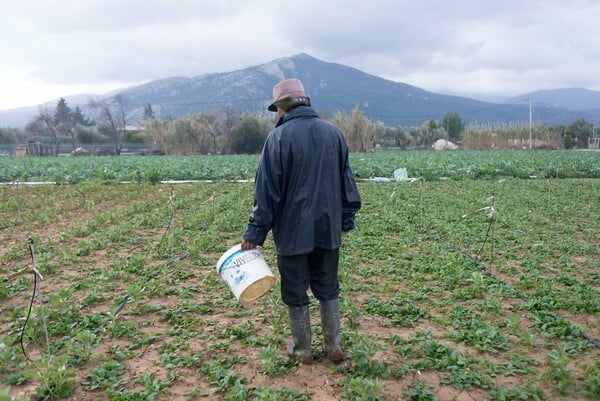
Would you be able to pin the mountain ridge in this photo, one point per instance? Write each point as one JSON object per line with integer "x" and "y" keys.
{"x": 579, "y": 99}
{"x": 335, "y": 88}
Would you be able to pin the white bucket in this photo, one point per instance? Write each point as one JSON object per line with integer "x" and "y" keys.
{"x": 246, "y": 273}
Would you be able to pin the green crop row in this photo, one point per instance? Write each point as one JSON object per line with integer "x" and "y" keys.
{"x": 427, "y": 164}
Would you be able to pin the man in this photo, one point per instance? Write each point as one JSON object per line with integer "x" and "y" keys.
{"x": 306, "y": 193}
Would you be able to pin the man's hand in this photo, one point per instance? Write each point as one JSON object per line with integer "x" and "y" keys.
{"x": 247, "y": 245}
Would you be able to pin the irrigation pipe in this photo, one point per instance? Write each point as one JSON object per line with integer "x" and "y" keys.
{"x": 36, "y": 183}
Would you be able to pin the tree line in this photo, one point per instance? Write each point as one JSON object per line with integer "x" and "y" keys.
{"x": 225, "y": 132}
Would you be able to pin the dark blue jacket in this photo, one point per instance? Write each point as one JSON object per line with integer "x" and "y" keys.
{"x": 304, "y": 187}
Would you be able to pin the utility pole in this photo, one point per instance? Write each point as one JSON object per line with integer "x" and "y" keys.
{"x": 530, "y": 139}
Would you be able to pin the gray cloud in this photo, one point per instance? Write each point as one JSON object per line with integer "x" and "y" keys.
{"x": 463, "y": 47}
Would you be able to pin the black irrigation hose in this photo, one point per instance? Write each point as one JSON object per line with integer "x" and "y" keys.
{"x": 119, "y": 308}
{"x": 27, "y": 318}
{"x": 35, "y": 285}
{"x": 76, "y": 357}
{"x": 488, "y": 272}
{"x": 11, "y": 225}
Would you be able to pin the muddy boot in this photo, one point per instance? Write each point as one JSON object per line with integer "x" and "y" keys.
{"x": 300, "y": 347}
{"x": 330, "y": 323}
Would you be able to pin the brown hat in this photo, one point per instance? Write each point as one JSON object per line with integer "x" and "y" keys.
{"x": 289, "y": 88}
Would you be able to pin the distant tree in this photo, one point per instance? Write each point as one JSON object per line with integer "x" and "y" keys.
{"x": 555, "y": 135}
{"x": 66, "y": 124}
{"x": 385, "y": 137}
{"x": 248, "y": 136}
{"x": 453, "y": 125}
{"x": 159, "y": 135}
{"x": 43, "y": 126}
{"x": 432, "y": 130}
{"x": 223, "y": 123}
{"x": 148, "y": 112}
{"x": 192, "y": 133}
{"x": 113, "y": 118}
{"x": 90, "y": 135}
{"x": 81, "y": 119}
{"x": 581, "y": 130}
{"x": 569, "y": 141}
{"x": 8, "y": 136}
{"x": 357, "y": 129}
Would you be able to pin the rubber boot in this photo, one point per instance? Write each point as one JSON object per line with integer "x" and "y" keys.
{"x": 300, "y": 347}
{"x": 330, "y": 323}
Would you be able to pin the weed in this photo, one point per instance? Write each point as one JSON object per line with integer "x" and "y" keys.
{"x": 503, "y": 393}
{"x": 284, "y": 394}
{"x": 361, "y": 353}
{"x": 81, "y": 346}
{"x": 221, "y": 378}
{"x": 466, "y": 378}
{"x": 362, "y": 389}
{"x": 558, "y": 370}
{"x": 400, "y": 312}
{"x": 174, "y": 359}
{"x": 592, "y": 380}
{"x": 105, "y": 376}
{"x": 274, "y": 364}
{"x": 56, "y": 377}
{"x": 419, "y": 391}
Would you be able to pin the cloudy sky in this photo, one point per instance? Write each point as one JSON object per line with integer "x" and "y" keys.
{"x": 473, "y": 48}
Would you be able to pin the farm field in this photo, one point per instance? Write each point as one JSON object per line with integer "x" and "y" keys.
{"x": 427, "y": 164}
{"x": 452, "y": 289}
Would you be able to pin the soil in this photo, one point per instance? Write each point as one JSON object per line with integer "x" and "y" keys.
{"x": 323, "y": 379}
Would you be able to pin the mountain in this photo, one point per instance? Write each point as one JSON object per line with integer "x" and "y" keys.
{"x": 18, "y": 118}
{"x": 21, "y": 116}
{"x": 332, "y": 87}
{"x": 579, "y": 99}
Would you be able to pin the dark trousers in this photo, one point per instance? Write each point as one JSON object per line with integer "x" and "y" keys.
{"x": 318, "y": 269}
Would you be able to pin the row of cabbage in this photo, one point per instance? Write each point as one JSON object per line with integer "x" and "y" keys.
{"x": 429, "y": 165}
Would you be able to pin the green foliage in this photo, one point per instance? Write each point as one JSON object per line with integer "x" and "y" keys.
{"x": 105, "y": 376}
{"x": 362, "y": 389}
{"x": 580, "y": 130}
{"x": 56, "y": 377}
{"x": 419, "y": 391}
{"x": 453, "y": 125}
{"x": 269, "y": 393}
{"x": 503, "y": 393}
{"x": 361, "y": 353}
{"x": 274, "y": 364}
{"x": 8, "y": 136}
{"x": 592, "y": 380}
{"x": 249, "y": 135}
{"x": 401, "y": 312}
{"x": 487, "y": 165}
{"x": 569, "y": 141}
{"x": 558, "y": 370}
{"x": 5, "y": 396}
{"x": 220, "y": 377}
